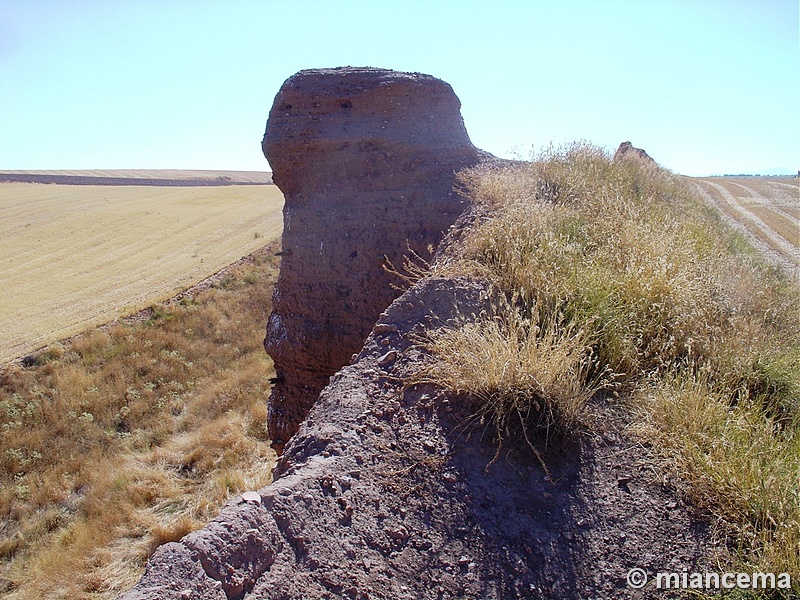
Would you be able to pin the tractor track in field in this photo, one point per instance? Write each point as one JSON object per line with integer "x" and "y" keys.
{"x": 767, "y": 212}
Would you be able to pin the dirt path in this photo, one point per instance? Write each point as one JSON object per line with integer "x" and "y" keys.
{"x": 766, "y": 211}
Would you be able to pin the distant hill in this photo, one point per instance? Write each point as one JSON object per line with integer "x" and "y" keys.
{"x": 153, "y": 177}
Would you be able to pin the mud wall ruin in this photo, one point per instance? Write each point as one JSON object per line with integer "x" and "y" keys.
{"x": 381, "y": 493}
{"x": 366, "y": 161}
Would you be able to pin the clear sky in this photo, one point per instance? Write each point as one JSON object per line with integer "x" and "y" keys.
{"x": 704, "y": 86}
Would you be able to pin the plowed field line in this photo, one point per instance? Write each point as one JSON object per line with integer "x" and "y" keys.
{"x": 759, "y": 222}
{"x": 771, "y": 195}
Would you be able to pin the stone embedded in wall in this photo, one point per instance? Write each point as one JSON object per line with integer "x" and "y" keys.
{"x": 366, "y": 160}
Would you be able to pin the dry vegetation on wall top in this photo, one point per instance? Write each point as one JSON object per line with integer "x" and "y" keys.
{"x": 617, "y": 277}
{"x": 129, "y": 437}
{"x": 618, "y": 292}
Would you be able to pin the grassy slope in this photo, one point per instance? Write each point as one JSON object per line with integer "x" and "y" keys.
{"x": 617, "y": 277}
{"x": 74, "y": 256}
{"x": 122, "y": 439}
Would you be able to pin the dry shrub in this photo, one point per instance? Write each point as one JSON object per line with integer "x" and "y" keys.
{"x": 525, "y": 376}
{"x": 172, "y": 531}
{"x": 737, "y": 462}
{"x": 626, "y": 247}
{"x": 413, "y": 268}
{"x": 220, "y": 444}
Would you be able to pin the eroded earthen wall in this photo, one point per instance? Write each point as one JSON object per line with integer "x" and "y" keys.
{"x": 366, "y": 161}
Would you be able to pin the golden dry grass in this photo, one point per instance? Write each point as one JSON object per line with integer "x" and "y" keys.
{"x": 644, "y": 288}
{"x": 520, "y": 372}
{"x": 76, "y": 256}
{"x": 742, "y": 468}
{"x": 121, "y": 439}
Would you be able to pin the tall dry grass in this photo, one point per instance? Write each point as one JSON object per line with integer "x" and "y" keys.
{"x": 740, "y": 464}
{"x": 128, "y": 437}
{"x": 524, "y": 376}
{"x": 639, "y": 284}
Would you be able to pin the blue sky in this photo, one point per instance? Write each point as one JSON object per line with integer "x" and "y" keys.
{"x": 705, "y": 86}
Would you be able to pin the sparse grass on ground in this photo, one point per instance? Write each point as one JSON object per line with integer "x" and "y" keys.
{"x": 617, "y": 277}
{"x": 131, "y": 436}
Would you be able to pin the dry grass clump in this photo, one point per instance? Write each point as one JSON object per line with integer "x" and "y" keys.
{"x": 638, "y": 285}
{"x": 524, "y": 375}
{"x": 125, "y": 438}
{"x": 740, "y": 464}
{"x": 625, "y": 246}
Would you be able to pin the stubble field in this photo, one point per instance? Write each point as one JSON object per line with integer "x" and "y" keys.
{"x": 766, "y": 209}
{"x": 77, "y": 256}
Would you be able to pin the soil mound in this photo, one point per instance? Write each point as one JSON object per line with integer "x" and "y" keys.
{"x": 366, "y": 160}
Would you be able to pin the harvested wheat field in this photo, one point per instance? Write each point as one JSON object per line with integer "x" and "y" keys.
{"x": 76, "y": 256}
{"x": 765, "y": 209}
